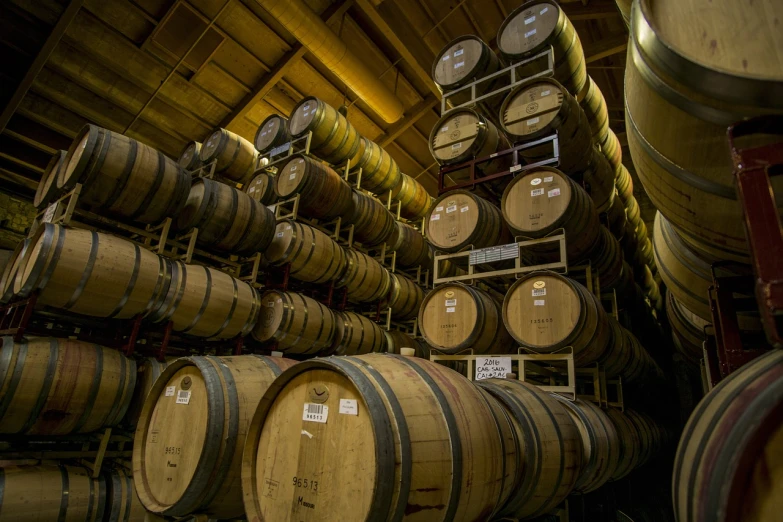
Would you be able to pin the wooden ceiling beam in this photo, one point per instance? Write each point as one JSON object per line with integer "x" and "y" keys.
{"x": 35, "y": 134}
{"x": 18, "y": 179}
{"x": 43, "y": 55}
{"x": 20, "y": 153}
{"x": 606, "y": 47}
{"x": 592, "y": 11}
{"x": 411, "y": 116}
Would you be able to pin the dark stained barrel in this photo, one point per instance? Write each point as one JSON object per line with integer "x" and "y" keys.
{"x": 189, "y": 158}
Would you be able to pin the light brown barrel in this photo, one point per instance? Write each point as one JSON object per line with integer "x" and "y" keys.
{"x": 205, "y": 302}
{"x": 122, "y": 501}
{"x": 462, "y": 61}
{"x": 612, "y": 149}
{"x": 396, "y": 340}
{"x": 227, "y": 219}
{"x": 545, "y": 312}
{"x": 687, "y": 330}
{"x": 42, "y": 493}
{"x": 460, "y": 218}
{"x": 262, "y": 188}
{"x": 148, "y": 370}
{"x": 380, "y": 173}
{"x": 364, "y": 277}
{"x": 619, "y": 353}
{"x": 189, "y": 158}
{"x": 423, "y": 438}
{"x": 405, "y": 298}
{"x": 124, "y": 177}
{"x": 188, "y": 447}
{"x": 322, "y": 192}
{"x": 11, "y": 269}
{"x": 543, "y": 200}
{"x": 684, "y": 84}
{"x": 641, "y": 365}
{"x": 236, "y": 158}
{"x": 598, "y": 179}
{"x": 624, "y": 6}
{"x": 411, "y": 247}
{"x": 295, "y": 322}
{"x": 91, "y": 273}
{"x": 600, "y": 443}
{"x": 456, "y": 317}
{"x": 314, "y": 257}
{"x": 414, "y": 199}
{"x": 464, "y": 134}
{"x": 535, "y": 26}
{"x": 616, "y": 219}
{"x": 607, "y": 259}
{"x": 624, "y": 184}
{"x": 630, "y": 443}
{"x": 357, "y": 335}
{"x": 728, "y": 466}
{"x": 272, "y": 133}
{"x": 372, "y": 221}
{"x": 538, "y": 108}
{"x": 593, "y": 103}
{"x": 47, "y": 190}
{"x": 550, "y": 442}
{"x": 334, "y": 139}
{"x": 648, "y": 435}
{"x": 60, "y": 386}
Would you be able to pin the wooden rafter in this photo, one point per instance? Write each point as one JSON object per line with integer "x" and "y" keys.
{"x": 606, "y": 47}
{"x": 592, "y": 11}
{"x": 412, "y": 115}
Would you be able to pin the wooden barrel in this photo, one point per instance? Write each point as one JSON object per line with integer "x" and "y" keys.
{"x": 462, "y": 61}
{"x": 616, "y": 219}
{"x": 61, "y": 386}
{"x": 550, "y": 442}
{"x": 11, "y": 269}
{"x": 405, "y": 298}
{"x": 43, "y": 493}
{"x": 322, "y": 192}
{"x": 630, "y": 443}
{"x": 228, "y": 220}
{"x": 633, "y": 212}
{"x": 262, "y": 188}
{"x": 295, "y": 322}
{"x": 600, "y": 443}
{"x": 236, "y": 158}
{"x": 460, "y": 218}
{"x": 380, "y": 173}
{"x": 447, "y": 465}
{"x": 411, "y": 247}
{"x": 272, "y": 133}
{"x": 455, "y": 317}
{"x": 681, "y": 95}
{"x": 205, "y": 302}
{"x": 314, "y": 257}
{"x": 122, "y": 501}
{"x": 624, "y": 6}
{"x": 148, "y": 370}
{"x": 546, "y": 312}
{"x": 334, "y": 139}
{"x": 648, "y": 436}
{"x": 641, "y": 365}
{"x": 188, "y": 446}
{"x": 357, "y": 335}
{"x": 47, "y": 190}
{"x": 189, "y": 158}
{"x": 538, "y": 108}
{"x": 687, "y": 330}
{"x": 624, "y": 184}
{"x": 593, "y": 103}
{"x": 464, "y": 134}
{"x": 372, "y": 222}
{"x": 543, "y": 200}
{"x": 124, "y": 177}
{"x": 612, "y": 149}
{"x": 532, "y": 28}
{"x": 607, "y": 259}
{"x": 414, "y": 199}
{"x": 91, "y": 273}
{"x": 618, "y": 354}
{"x": 730, "y": 448}
{"x": 598, "y": 179}
{"x": 396, "y": 340}
{"x": 364, "y": 277}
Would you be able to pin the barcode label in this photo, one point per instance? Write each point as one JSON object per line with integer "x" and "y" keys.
{"x": 170, "y": 391}
{"x": 554, "y": 192}
{"x": 183, "y": 397}
{"x": 438, "y": 209}
{"x": 451, "y": 302}
{"x": 450, "y": 310}
{"x": 456, "y": 146}
{"x": 464, "y": 209}
{"x": 450, "y": 209}
{"x": 530, "y": 20}
{"x": 459, "y": 64}
{"x": 544, "y": 10}
{"x": 536, "y": 192}
{"x": 459, "y": 53}
{"x": 279, "y": 234}
{"x": 446, "y": 57}
{"x": 532, "y": 121}
{"x": 315, "y": 412}
{"x": 545, "y": 93}
{"x": 530, "y": 33}
{"x": 538, "y": 292}
{"x": 539, "y": 302}
{"x": 549, "y": 179}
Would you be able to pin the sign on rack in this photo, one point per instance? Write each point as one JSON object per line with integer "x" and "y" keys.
{"x": 495, "y": 253}
{"x": 279, "y": 149}
{"x": 49, "y": 214}
{"x": 492, "y": 367}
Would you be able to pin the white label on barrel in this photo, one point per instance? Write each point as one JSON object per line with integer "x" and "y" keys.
{"x": 530, "y": 33}
{"x": 270, "y": 304}
{"x": 446, "y": 57}
{"x": 464, "y": 209}
{"x": 183, "y": 396}
{"x": 530, "y": 20}
{"x": 538, "y": 292}
{"x": 549, "y": 179}
{"x": 349, "y": 407}
{"x": 444, "y": 129}
{"x": 459, "y": 52}
{"x": 288, "y": 227}
{"x": 279, "y": 234}
{"x": 251, "y": 190}
{"x": 170, "y": 391}
{"x": 315, "y": 412}
{"x": 535, "y": 181}
{"x": 544, "y": 10}
{"x": 450, "y": 310}
{"x": 450, "y": 209}
{"x": 277, "y": 354}
{"x": 438, "y": 209}
{"x": 456, "y": 146}
{"x": 459, "y": 64}
{"x": 545, "y": 93}
{"x": 532, "y": 121}
{"x": 264, "y": 133}
{"x": 554, "y": 192}
{"x": 271, "y": 207}
{"x": 539, "y": 302}
{"x": 451, "y": 302}
{"x": 536, "y": 192}
{"x": 435, "y": 217}
{"x": 489, "y": 367}
{"x": 292, "y": 176}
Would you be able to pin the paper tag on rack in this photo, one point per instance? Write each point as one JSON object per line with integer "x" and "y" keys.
{"x": 538, "y": 302}
{"x": 183, "y": 396}
{"x": 554, "y": 192}
{"x": 538, "y": 292}
{"x": 492, "y": 367}
{"x": 170, "y": 391}
{"x": 49, "y": 214}
{"x": 515, "y": 168}
{"x": 451, "y": 302}
{"x": 315, "y": 412}
{"x": 537, "y": 192}
{"x": 349, "y": 407}
{"x": 450, "y": 310}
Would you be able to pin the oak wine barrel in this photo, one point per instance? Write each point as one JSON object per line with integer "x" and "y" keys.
{"x": 448, "y": 462}
{"x": 188, "y": 446}
{"x": 612, "y": 149}
{"x": 364, "y": 277}
{"x": 414, "y": 199}
{"x": 372, "y": 221}
{"x": 624, "y": 184}
{"x": 147, "y": 372}
{"x": 598, "y": 177}
{"x": 124, "y": 177}
{"x": 314, "y": 257}
{"x": 619, "y": 353}
{"x": 411, "y": 247}
{"x": 322, "y": 192}
{"x": 687, "y": 330}
{"x": 727, "y": 466}
{"x": 616, "y": 218}
{"x": 334, "y": 139}
{"x": 47, "y": 189}
{"x": 11, "y": 269}
{"x": 455, "y": 317}
{"x": 549, "y": 440}
{"x": 624, "y": 6}
{"x": 531, "y": 29}
{"x": 262, "y": 188}
{"x": 272, "y": 133}
{"x": 357, "y": 335}
{"x": 607, "y": 259}
{"x": 464, "y": 134}
{"x": 630, "y": 443}
{"x": 380, "y": 173}
{"x": 205, "y": 302}
{"x": 122, "y": 501}
{"x": 546, "y": 312}
{"x": 236, "y": 158}
{"x": 296, "y": 323}
{"x": 460, "y": 218}
{"x": 405, "y": 298}
{"x": 396, "y": 340}
{"x": 462, "y": 61}
{"x": 228, "y": 220}
{"x": 189, "y": 158}
{"x": 91, "y": 273}
{"x": 593, "y": 103}
{"x": 61, "y": 386}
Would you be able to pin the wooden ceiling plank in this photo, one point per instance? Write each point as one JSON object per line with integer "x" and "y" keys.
{"x": 34, "y": 132}
{"x": 412, "y": 115}
{"x": 593, "y": 11}
{"x": 51, "y": 42}
{"x": 606, "y": 47}
{"x": 18, "y": 179}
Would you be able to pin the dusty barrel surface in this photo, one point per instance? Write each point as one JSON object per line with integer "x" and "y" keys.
{"x": 334, "y": 139}
{"x": 295, "y": 322}
{"x": 364, "y": 278}
{"x": 59, "y": 386}
{"x": 313, "y": 256}
{"x": 235, "y": 157}
{"x": 189, "y": 441}
{"x": 322, "y": 192}
{"x": 272, "y": 133}
{"x": 399, "y": 416}
{"x": 464, "y": 134}
{"x": 460, "y": 218}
